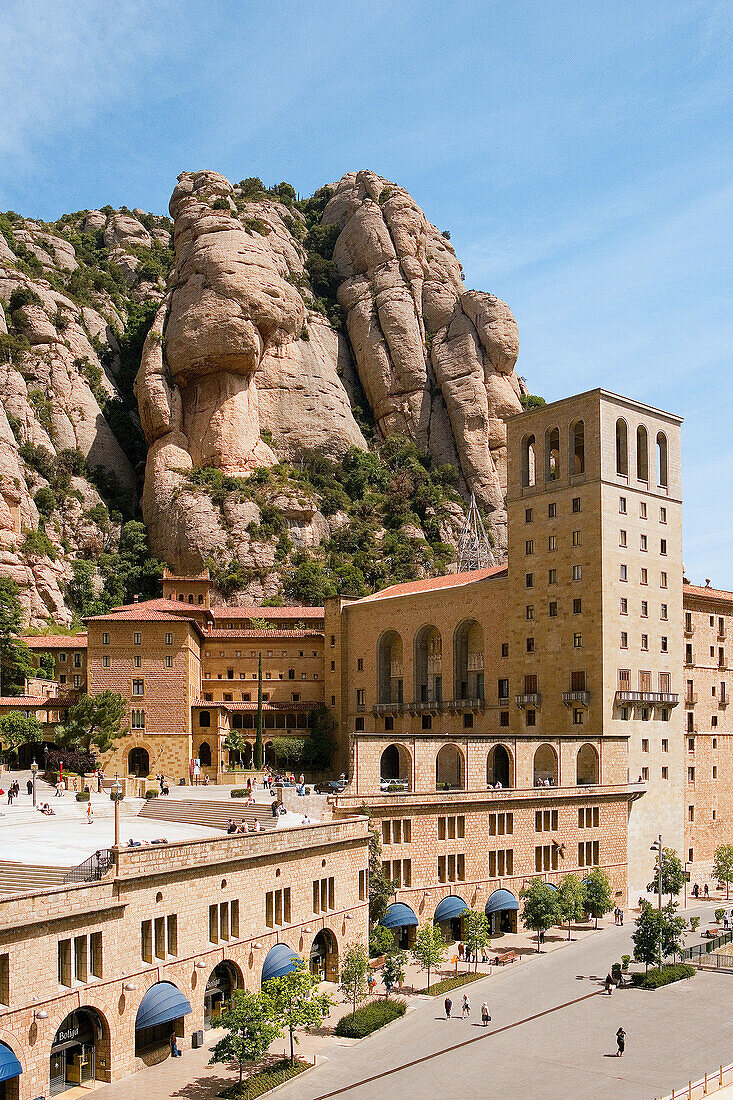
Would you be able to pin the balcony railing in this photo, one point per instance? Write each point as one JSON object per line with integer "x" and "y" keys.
{"x": 691, "y": 699}
{"x": 571, "y": 698}
{"x": 723, "y": 701}
{"x": 466, "y": 704}
{"x": 648, "y": 698}
{"x": 689, "y": 630}
{"x": 529, "y": 699}
{"x": 395, "y": 670}
{"x": 427, "y": 706}
{"x": 475, "y": 662}
{"x": 388, "y": 708}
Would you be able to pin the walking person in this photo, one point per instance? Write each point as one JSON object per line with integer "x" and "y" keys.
{"x": 466, "y": 1007}
{"x": 90, "y": 813}
{"x": 608, "y": 984}
{"x": 175, "y": 1052}
{"x": 29, "y": 787}
{"x": 448, "y": 1006}
{"x": 620, "y": 1042}
{"x": 621, "y": 917}
{"x": 705, "y": 891}
{"x": 485, "y": 1014}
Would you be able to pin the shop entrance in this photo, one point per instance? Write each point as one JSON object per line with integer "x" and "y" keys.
{"x": 222, "y": 981}
{"x": 324, "y": 959}
{"x": 73, "y": 1053}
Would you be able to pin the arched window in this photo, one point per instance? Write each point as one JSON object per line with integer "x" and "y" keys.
{"x": 449, "y": 768}
{"x": 205, "y": 755}
{"x": 428, "y": 665}
{"x": 587, "y": 769}
{"x": 499, "y": 768}
{"x": 622, "y": 448}
{"x": 204, "y": 718}
{"x": 468, "y": 660}
{"x": 662, "y": 460}
{"x": 552, "y": 454}
{"x": 201, "y": 599}
{"x": 390, "y": 684}
{"x": 577, "y": 447}
{"x": 642, "y": 454}
{"x": 396, "y": 765}
{"x": 528, "y": 460}
{"x": 190, "y": 599}
{"x": 545, "y": 767}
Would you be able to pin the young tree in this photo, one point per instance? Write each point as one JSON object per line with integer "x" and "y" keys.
{"x": 381, "y": 941}
{"x": 646, "y": 938}
{"x": 672, "y": 931}
{"x": 16, "y": 729}
{"x": 354, "y": 973}
{"x": 476, "y": 932}
{"x": 234, "y": 742}
{"x": 723, "y": 866}
{"x": 673, "y": 876}
{"x": 429, "y": 949}
{"x": 540, "y": 910}
{"x": 251, "y": 1025}
{"x": 571, "y": 899}
{"x": 96, "y": 720}
{"x": 598, "y": 897}
{"x": 296, "y": 1001}
{"x": 393, "y": 970}
{"x": 258, "y": 752}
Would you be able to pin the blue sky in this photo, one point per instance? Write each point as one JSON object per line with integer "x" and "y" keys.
{"x": 579, "y": 153}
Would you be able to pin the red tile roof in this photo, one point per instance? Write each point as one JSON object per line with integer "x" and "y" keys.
{"x": 55, "y": 641}
{"x": 22, "y": 701}
{"x": 175, "y": 607}
{"x": 223, "y": 612}
{"x": 707, "y": 592}
{"x": 434, "y": 584}
{"x": 264, "y": 633}
{"x": 139, "y": 613}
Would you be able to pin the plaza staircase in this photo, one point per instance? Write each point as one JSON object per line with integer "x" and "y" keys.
{"x": 205, "y": 811}
{"x": 17, "y": 878}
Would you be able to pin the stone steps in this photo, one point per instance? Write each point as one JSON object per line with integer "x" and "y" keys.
{"x": 16, "y": 878}
{"x": 207, "y": 812}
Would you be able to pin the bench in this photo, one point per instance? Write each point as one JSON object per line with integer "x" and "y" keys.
{"x": 507, "y": 957}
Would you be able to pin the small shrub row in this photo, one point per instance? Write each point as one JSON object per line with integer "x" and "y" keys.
{"x": 82, "y": 796}
{"x": 369, "y": 1018}
{"x": 437, "y": 988}
{"x": 664, "y": 975}
{"x": 152, "y": 793}
{"x": 238, "y": 792}
{"x": 266, "y": 1079}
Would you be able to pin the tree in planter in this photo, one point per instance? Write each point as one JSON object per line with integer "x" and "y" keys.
{"x": 251, "y": 1025}
{"x": 597, "y": 890}
{"x": 354, "y": 974}
{"x": 16, "y": 729}
{"x": 296, "y": 1001}
{"x": 723, "y": 866}
{"x": 258, "y": 752}
{"x": 96, "y": 720}
{"x": 646, "y": 938}
{"x": 476, "y": 933}
{"x": 571, "y": 899}
{"x": 541, "y": 909}
{"x": 429, "y": 948}
{"x": 393, "y": 970}
{"x": 673, "y": 876}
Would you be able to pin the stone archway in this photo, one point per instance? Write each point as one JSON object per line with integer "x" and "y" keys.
{"x": 223, "y": 980}
{"x": 80, "y": 1051}
{"x": 324, "y": 958}
{"x": 450, "y": 771}
{"x": 138, "y": 761}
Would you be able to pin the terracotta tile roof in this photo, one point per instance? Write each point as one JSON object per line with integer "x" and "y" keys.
{"x": 55, "y": 641}
{"x": 169, "y": 576}
{"x": 706, "y": 592}
{"x": 434, "y": 584}
{"x": 223, "y": 612}
{"x": 25, "y": 701}
{"x": 271, "y": 634}
{"x": 138, "y": 613}
{"x": 160, "y": 604}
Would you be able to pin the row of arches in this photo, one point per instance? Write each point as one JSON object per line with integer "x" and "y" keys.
{"x": 450, "y": 766}
{"x": 138, "y": 758}
{"x": 501, "y": 908}
{"x": 552, "y": 463}
{"x": 642, "y": 453}
{"x": 468, "y": 664}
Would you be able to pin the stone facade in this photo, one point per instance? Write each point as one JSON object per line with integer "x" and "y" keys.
{"x": 179, "y": 884}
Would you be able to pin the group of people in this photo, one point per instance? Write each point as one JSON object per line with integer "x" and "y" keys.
{"x": 696, "y": 891}
{"x": 14, "y": 791}
{"x": 546, "y": 782}
{"x": 164, "y": 788}
{"x": 243, "y": 827}
{"x": 466, "y": 1010}
{"x": 465, "y": 955}
{"x": 618, "y": 915}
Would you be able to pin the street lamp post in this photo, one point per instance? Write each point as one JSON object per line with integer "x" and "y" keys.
{"x": 657, "y": 847}
{"x": 34, "y": 769}
{"x": 117, "y": 796}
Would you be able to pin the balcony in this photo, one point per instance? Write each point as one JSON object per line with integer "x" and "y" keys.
{"x": 395, "y": 670}
{"x": 573, "y": 698}
{"x": 475, "y": 662}
{"x": 691, "y": 699}
{"x": 435, "y": 664}
{"x": 427, "y": 706}
{"x": 689, "y": 630}
{"x": 465, "y": 704}
{"x": 648, "y": 698}
{"x": 388, "y": 708}
{"x": 723, "y": 701}
{"x": 529, "y": 699}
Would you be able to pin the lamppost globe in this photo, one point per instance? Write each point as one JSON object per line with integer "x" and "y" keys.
{"x": 34, "y": 769}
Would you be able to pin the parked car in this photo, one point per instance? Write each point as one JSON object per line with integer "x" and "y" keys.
{"x": 331, "y": 786}
{"x": 385, "y": 784}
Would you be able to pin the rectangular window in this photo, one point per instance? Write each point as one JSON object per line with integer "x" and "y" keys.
{"x": 644, "y": 609}
{"x": 137, "y": 638}
{"x": 530, "y": 645}
{"x": 552, "y": 511}
{"x": 665, "y": 744}
{"x": 503, "y": 717}
{"x": 665, "y": 773}
{"x": 663, "y": 547}
{"x": 362, "y": 885}
{"x": 169, "y": 639}
{"x": 577, "y": 572}
{"x": 5, "y": 979}
{"x": 105, "y": 664}
{"x": 624, "y": 640}
{"x": 138, "y": 687}
{"x": 662, "y": 515}
{"x": 643, "y": 576}
{"x": 642, "y": 509}
{"x": 663, "y": 611}
{"x": 577, "y": 640}
{"x": 623, "y": 573}
{"x": 171, "y": 934}
{"x": 642, "y": 542}
{"x": 662, "y": 580}
{"x": 624, "y": 606}
{"x": 95, "y": 954}
{"x": 505, "y": 649}
{"x": 529, "y": 612}
{"x": 168, "y": 660}
{"x": 588, "y": 853}
{"x": 552, "y": 576}
{"x": 576, "y": 504}
{"x": 146, "y": 941}
{"x": 137, "y": 661}
{"x": 645, "y": 641}
{"x": 527, "y": 515}
{"x": 622, "y": 538}
{"x": 545, "y": 821}
{"x": 80, "y": 958}
{"x": 645, "y": 744}
{"x": 529, "y": 546}
{"x": 531, "y": 717}
{"x": 501, "y": 863}
{"x": 622, "y": 505}
{"x": 690, "y": 775}
{"x": 529, "y": 580}
{"x": 577, "y": 607}
{"x": 552, "y": 542}
{"x": 546, "y": 857}
{"x": 64, "y": 962}
{"x": 501, "y": 824}
{"x": 576, "y": 538}
{"x": 552, "y": 609}
{"x": 664, "y": 644}
{"x": 159, "y": 937}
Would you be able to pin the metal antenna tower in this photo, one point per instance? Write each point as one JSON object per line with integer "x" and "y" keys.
{"x": 474, "y": 551}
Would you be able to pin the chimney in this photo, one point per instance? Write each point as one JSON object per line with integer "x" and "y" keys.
{"x": 707, "y": 582}
{"x": 135, "y": 597}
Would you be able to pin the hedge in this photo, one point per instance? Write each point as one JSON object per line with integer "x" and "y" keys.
{"x": 369, "y": 1018}
{"x": 437, "y": 988}
{"x": 152, "y": 793}
{"x": 82, "y": 796}
{"x": 266, "y": 1079}
{"x": 238, "y": 792}
{"x": 657, "y": 977}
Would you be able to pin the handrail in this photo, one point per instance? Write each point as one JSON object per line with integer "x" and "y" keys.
{"x": 707, "y": 946}
{"x": 92, "y": 869}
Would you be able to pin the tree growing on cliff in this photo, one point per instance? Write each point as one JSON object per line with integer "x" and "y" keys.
{"x": 15, "y": 657}
{"x": 95, "y": 721}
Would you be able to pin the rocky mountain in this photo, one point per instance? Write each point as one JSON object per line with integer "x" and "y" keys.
{"x": 282, "y": 340}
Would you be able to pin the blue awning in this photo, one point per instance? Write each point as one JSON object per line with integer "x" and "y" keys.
{"x": 9, "y": 1065}
{"x": 279, "y": 961}
{"x": 449, "y": 908}
{"x": 162, "y": 1002}
{"x": 398, "y": 915}
{"x": 499, "y": 901}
